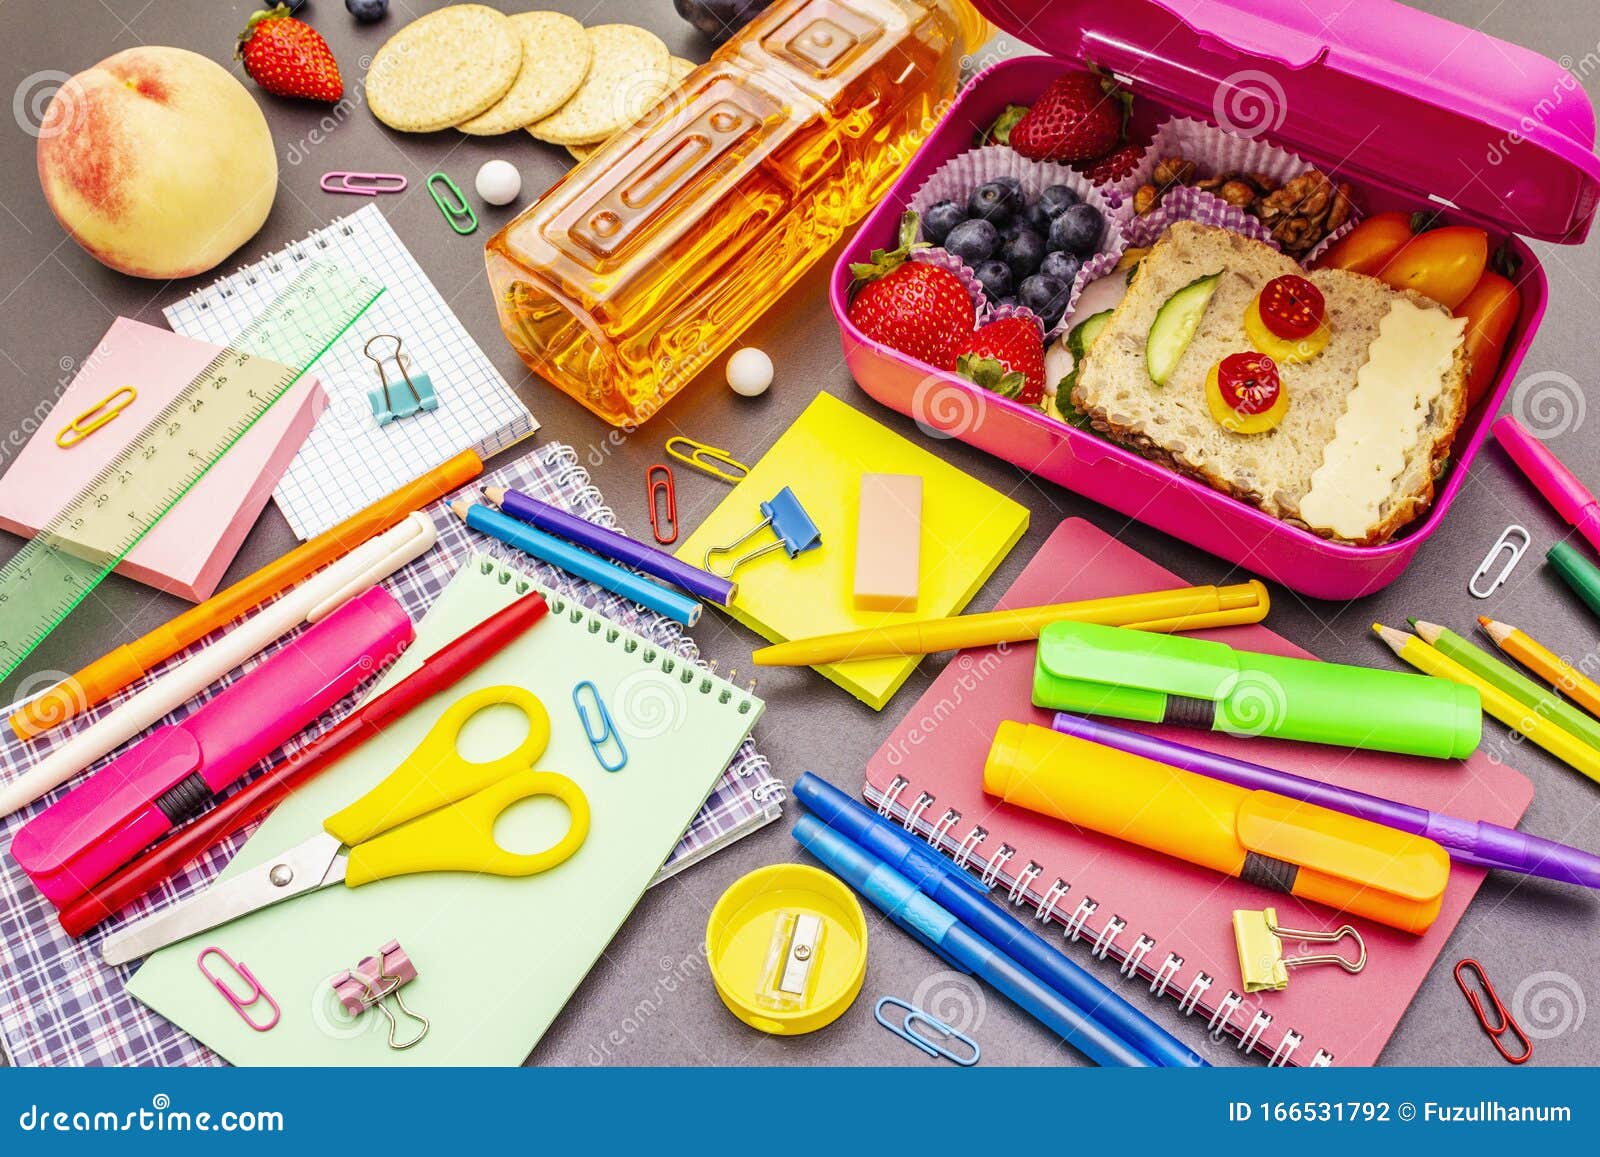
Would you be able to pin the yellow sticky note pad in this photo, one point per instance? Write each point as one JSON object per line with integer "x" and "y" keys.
{"x": 967, "y": 529}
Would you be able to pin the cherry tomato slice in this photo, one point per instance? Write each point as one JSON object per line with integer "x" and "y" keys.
{"x": 1291, "y": 307}
{"x": 1249, "y": 382}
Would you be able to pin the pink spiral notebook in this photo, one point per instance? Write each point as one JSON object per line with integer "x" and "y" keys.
{"x": 1148, "y": 914}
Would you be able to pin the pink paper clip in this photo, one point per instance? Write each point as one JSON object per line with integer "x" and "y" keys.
{"x": 363, "y": 184}
{"x": 254, "y": 992}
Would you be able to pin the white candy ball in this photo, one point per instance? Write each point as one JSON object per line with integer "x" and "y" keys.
{"x": 499, "y": 182}
{"x": 749, "y": 372}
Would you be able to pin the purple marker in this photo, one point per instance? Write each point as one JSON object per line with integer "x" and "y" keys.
{"x": 1475, "y": 842}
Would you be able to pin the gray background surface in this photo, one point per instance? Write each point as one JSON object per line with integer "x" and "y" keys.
{"x": 650, "y": 1000}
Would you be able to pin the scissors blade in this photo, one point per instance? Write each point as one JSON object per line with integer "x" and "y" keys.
{"x": 303, "y": 868}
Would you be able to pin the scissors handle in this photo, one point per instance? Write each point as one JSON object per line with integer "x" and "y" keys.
{"x": 460, "y": 838}
{"x": 436, "y": 773}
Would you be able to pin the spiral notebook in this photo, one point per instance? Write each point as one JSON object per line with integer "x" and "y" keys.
{"x": 349, "y": 461}
{"x": 1148, "y": 914}
{"x": 60, "y": 1006}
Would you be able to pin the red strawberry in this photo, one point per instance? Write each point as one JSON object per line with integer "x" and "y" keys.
{"x": 1113, "y": 166}
{"x": 289, "y": 57}
{"x": 1079, "y": 117}
{"x": 910, "y": 306}
{"x": 1006, "y": 356}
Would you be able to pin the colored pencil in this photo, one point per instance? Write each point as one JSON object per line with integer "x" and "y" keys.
{"x": 1544, "y": 663}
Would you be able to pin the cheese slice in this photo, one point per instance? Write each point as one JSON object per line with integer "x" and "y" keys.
{"x": 1384, "y": 417}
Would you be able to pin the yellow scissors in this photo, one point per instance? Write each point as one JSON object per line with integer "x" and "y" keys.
{"x": 434, "y": 813}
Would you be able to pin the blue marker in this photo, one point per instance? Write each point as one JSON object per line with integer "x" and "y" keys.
{"x": 967, "y": 900}
{"x": 897, "y": 898}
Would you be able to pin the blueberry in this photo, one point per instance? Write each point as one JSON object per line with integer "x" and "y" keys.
{"x": 1015, "y": 185}
{"x": 368, "y": 11}
{"x": 1046, "y": 296}
{"x": 1006, "y": 301}
{"x": 1061, "y": 265}
{"x": 940, "y": 219}
{"x": 996, "y": 279}
{"x": 1057, "y": 199}
{"x": 1077, "y": 230}
{"x": 973, "y": 241}
{"x": 718, "y": 19}
{"x": 992, "y": 202}
{"x": 1035, "y": 217}
{"x": 1023, "y": 253}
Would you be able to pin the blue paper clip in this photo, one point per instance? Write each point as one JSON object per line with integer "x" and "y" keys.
{"x": 390, "y": 402}
{"x": 608, "y": 729}
{"x": 789, "y": 521}
{"x": 907, "y": 1030}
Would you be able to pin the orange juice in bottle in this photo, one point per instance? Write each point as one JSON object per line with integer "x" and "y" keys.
{"x": 645, "y": 262}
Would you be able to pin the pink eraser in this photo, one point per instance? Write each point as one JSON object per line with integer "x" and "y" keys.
{"x": 889, "y": 542}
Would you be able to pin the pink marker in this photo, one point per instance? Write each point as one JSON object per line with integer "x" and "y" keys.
{"x": 178, "y": 771}
{"x": 1572, "y": 499}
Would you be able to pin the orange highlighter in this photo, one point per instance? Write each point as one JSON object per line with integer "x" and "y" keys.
{"x": 1272, "y": 841}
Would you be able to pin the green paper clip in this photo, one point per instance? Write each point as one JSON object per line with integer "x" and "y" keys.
{"x": 454, "y": 206}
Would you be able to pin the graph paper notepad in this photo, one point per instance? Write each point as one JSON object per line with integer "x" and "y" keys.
{"x": 349, "y": 461}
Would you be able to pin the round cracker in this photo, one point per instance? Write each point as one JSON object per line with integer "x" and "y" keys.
{"x": 444, "y": 68}
{"x": 555, "y": 59}
{"x": 626, "y": 78}
{"x": 583, "y": 152}
{"x": 678, "y": 68}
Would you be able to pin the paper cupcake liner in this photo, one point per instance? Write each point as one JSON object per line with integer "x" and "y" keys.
{"x": 1094, "y": 269}
{"x": 1001, "y": 312}
{"x": 1186, "y": 204}
{"x": 957, "y": 177}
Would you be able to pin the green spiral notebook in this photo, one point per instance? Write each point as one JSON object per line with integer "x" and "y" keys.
{"x": 496, "y": 958}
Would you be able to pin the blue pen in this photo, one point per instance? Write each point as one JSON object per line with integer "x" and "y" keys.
{"x": 967, "y": 900}
{"x": 895, "y": 896}
{"x": 680, "y": 608}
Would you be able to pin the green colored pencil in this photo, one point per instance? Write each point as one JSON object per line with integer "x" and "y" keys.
{"x": 1535, "y": 698}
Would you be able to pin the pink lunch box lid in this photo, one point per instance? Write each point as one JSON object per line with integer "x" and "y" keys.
{"x": 1489, "y": 127}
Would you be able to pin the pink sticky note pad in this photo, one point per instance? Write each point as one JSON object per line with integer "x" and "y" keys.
{"x": 188, "y": 551}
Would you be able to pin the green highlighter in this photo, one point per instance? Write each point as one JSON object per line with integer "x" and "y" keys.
{"x": 1130, "y": 674}
{"x": 1577, "y": 572}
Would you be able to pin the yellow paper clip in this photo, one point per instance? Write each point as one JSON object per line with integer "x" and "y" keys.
{"x": 707, "y": 459}
{"x": 1262, "y": 963}
{"x": 97, "y": 415}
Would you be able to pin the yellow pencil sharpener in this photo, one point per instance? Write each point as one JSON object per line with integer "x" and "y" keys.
{"x": 788, "y": 948}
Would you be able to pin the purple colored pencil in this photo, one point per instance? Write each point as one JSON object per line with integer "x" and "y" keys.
{"x": 617, "y": 547}
{"x": 1476, "y": 842}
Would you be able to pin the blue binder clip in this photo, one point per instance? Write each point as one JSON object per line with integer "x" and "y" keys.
{"x": 607, "y": 730}
{"x": 907, "y": 1030}
{"x": 788, "y": 520}
{"x": 391, "y": 402}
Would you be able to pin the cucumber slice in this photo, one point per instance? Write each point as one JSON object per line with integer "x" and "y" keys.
{"x": 1175, "y": 325}
{"x": 1083, "y": 334}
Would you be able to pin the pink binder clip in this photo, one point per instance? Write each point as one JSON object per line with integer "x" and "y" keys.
{"x": 253, "y": 990}
{"x": 363, "y": 184}
{"x": 377, "y": 979}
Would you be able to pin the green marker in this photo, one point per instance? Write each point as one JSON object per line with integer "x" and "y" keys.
{"x": 1129, "y": 674}
{"x": 1577, "y": 572}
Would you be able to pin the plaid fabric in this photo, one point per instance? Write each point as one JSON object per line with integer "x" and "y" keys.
{"x": 60, "y": 1006}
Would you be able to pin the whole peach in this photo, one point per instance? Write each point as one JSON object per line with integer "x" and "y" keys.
{"x": 157, "y": 162}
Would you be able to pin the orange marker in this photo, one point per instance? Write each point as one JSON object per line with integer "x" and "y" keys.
{"x": 112, "y": 672}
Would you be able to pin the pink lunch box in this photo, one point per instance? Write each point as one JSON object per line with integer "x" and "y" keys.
{"x": 1410, "y": 109}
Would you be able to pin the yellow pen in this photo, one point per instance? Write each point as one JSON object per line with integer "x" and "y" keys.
{"x": 1562, "y": 744}
{"x": 1184, "y": 609}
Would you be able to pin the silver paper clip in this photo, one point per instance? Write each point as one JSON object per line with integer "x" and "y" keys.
{"x": 907, "y": 1030}
{"x": 796, "y": 533}
{"x": 1513, "y": 542}
{"x": 606, "y": 730}
{"x": 379, "y": 978}
{"x": 363, "y": 184}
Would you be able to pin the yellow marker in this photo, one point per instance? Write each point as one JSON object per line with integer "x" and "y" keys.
{"x": 1183, "y": 609}
{"x": 1545, "y": 663}
{"x": 1558, "y": 742}
{"x": 97, "y": 415}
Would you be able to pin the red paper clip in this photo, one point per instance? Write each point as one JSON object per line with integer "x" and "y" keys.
{"x": 253, "y": 993}
{"x": 655, "y": 484}
{"x": 1507, "y": 1023}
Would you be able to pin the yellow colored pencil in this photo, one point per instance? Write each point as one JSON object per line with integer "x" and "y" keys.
{"x": 1562, "y": 744}
{"x": 1545, "y": 663}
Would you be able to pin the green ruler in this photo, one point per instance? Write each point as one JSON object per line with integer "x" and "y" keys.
{"x": 66, "y": 560}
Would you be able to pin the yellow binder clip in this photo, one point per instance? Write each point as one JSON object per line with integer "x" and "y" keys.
{"x": 97, "y": 415}
{"x": 1262, "y": 963}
